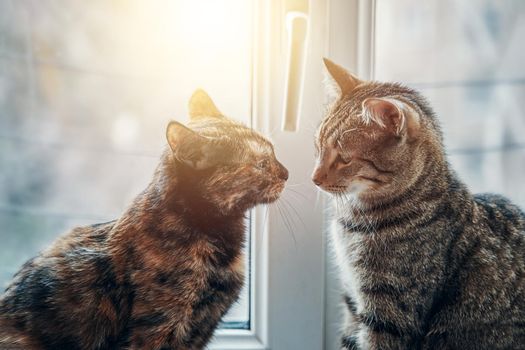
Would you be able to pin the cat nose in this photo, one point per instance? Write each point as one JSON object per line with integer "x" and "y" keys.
{"x": 283, "y": 172}
{"x": 318, "y": 177}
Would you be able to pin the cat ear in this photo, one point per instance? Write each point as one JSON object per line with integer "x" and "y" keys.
{"x": 391, "y": 114}
{"x": 189, "y": 147}
{"x": 339, "y": 78}
{"x": 201, "y": 105}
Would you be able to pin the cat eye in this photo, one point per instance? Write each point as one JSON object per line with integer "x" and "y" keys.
{"x": 263, "y": 164}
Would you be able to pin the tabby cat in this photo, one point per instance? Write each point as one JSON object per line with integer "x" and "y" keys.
{"x": 424, "y": 264}
{"x": 163, "y": 274}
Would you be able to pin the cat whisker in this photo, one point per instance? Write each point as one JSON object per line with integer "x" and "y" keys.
{"x": 297, "y": 215}
{"x": 286, "y": 222}
{"x": 290, "y": 223}
{"x": 292, "y": 191}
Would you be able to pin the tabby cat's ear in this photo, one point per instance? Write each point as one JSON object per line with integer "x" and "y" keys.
{"x": 393, "y": 115}
{"x": 189, "y": 147}
{"x": 201, "y": 105}
{"x": 339, "y": 78}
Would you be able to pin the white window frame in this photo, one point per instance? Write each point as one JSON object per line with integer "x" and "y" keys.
{"x": 294, "y": 294}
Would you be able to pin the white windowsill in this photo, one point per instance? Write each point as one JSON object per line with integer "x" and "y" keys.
{"x": 232, "y": 339}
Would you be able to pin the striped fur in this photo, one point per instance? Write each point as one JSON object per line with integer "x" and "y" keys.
{"x": 164, "y": 273}
{"x": 424, "y": 264}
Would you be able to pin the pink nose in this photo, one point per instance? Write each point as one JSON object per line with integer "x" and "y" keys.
{"x": 318, "y": 177}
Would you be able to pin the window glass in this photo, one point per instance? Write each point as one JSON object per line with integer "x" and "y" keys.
{"x": 467, "y": 58}
{"x": 86, "y": 91}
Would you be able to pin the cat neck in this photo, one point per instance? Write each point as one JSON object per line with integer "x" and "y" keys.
{"x": 172, "y": 209}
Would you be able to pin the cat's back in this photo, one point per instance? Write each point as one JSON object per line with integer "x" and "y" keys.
{"x": 76, "y": 248}
{"x": 71, "y": 283}
{"x": 486, "y": 289}
{"x": 501, "y": 214}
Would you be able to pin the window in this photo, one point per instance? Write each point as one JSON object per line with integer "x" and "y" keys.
{"x": 86, "y": 91}
{"x": 467, "y": 58}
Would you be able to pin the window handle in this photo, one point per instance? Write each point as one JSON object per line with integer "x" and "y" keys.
{"x": 297, "y": 33}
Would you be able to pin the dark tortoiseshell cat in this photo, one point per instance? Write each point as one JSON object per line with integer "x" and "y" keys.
{"x": 163, "y": 275}
{"x": 424, "y": 264}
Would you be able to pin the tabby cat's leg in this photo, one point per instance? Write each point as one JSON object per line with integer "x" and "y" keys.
{"x": 385, "y": 340}
{"x": 377, "y": 331}
{"x": 350, "y": 326}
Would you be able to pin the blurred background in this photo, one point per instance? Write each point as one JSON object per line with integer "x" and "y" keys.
{"x": 468, "y": 59}
{"x": 86, "y": 91}
{"x": 87, "y": 88}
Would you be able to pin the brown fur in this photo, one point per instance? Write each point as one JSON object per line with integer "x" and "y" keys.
{"x": 164, "y": 273}
{"x": 424, "y": 263}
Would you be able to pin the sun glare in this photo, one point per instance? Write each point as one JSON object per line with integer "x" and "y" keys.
{"x": 189, "y": 34}
{"x": 175, "y": 44}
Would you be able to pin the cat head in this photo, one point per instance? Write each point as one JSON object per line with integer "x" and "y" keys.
{"x": 375, "y": 138}
{"x": 221, "y": 162}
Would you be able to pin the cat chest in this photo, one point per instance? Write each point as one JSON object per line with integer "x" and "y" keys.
{"x": 375, "y": 272}
{"x": 222, "y": 286}
{"x": 216, "y": 286}
{"x": 214, "y": 297}
{"x": 190, "y": 298}
{"x": 349, "y": 250}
